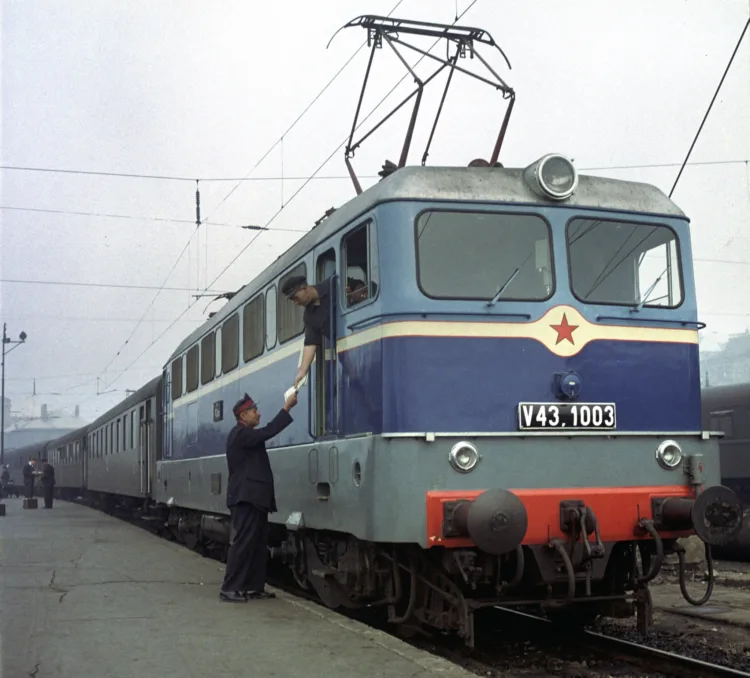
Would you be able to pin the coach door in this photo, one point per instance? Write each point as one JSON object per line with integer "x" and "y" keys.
{"x": 145, "y": 444}
{"x": 324, "y": 382}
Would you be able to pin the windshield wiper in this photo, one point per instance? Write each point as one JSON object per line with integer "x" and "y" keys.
{"x": 503, "y": 288}
{"x": 644, "y": 299}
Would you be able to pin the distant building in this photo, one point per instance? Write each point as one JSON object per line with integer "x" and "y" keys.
{"x": 50, "y": 425}
{"x": 729, "y": 365}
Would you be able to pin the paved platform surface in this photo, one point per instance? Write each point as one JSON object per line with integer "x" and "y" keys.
{"x": 728, "y": 604}
{"x": 83, "y": 594}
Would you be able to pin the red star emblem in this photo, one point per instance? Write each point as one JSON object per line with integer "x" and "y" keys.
{"x": 564, "y": 330}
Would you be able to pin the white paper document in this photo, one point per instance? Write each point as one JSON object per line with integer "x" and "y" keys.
{"x": 303, "y": 381}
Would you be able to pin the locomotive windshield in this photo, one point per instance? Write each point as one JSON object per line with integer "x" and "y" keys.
{"x": 476, "y": 255}
{"x": 620, "y": 262}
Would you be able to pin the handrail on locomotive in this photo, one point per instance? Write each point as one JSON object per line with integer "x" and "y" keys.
{"x": 463, "y": 38}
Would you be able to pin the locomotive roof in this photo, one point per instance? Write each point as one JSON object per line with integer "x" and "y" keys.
{"x": 454, "y": 184}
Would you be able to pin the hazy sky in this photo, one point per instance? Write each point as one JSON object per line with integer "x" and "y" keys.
{"x": 204, "y": 90}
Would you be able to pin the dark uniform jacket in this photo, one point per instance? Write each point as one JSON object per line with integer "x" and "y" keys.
{"x": 48, "y": 476}
{"x": 317, "y": 318}
{"x": 250, "y": 475}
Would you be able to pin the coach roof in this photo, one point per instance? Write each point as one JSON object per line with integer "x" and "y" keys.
{"x": 449, "y": 184}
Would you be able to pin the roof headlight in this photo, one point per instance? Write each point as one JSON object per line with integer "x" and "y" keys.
{"x": 669, "y": 455}
{"x": 553, "y": 176}
{"x": 463, "y": 457}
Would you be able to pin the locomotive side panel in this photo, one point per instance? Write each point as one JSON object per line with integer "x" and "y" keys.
{"x": 331, "y": 482}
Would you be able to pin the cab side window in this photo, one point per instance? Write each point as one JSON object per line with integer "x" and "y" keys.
{"x": 360, "y": 265}
{"x": 289, "y": 316}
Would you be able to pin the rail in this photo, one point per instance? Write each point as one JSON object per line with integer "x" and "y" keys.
{"x": 649, "y": 658}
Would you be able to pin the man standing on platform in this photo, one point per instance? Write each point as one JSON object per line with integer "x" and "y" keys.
{"x": 48, "y": 484}
{"x": 28, "y": 480}
{"x": 250, "y": 498}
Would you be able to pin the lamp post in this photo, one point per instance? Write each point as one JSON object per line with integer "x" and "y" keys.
{"x": 6, "y": 341}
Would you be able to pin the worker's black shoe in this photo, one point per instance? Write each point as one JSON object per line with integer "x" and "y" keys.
{"x": 232, "y": 597}
{"x": 254, "y": 595}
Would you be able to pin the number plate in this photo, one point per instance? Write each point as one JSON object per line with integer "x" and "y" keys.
{"x": 572, "y": 416}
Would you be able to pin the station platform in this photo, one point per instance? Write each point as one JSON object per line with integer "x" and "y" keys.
{"x": 729, "y": 604}
{"x": 85, "y": 594}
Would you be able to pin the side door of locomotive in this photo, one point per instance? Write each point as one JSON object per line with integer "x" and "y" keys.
{"x": 323, "y": 387}
{"x": 359, "y": 289}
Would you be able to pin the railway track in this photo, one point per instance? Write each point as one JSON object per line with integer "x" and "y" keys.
{"x": 500, "y": 630}
{"x": 619, "y": 651}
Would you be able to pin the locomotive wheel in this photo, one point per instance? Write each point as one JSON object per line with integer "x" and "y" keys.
{"x": 190, "y": 539}
{"x": 300, "y": 579}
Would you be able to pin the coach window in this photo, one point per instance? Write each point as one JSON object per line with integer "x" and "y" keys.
{"x": 192, "y": 368}
{"x": 271, "y": 317}
{"x": 176, "y": 378}
{"x": 125, "y": 431}
{"x": 360, "y": 261}
{"x": 230, "y": 343}
{"x": 217, "y": 352}
{"x": 252, "y": 329}
{"x": 483, "y": 255}
{"x": 117, "y": 437}
{"x": 288, "y": 315}
{"x": 132, "y": 430}
{"x": 208, "y": 354}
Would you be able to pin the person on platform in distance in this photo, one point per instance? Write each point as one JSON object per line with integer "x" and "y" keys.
{"x": 5, "y": 481}
{"x": 48, "y": 484}
{"x": 250, "y": 498}
{"x": 28, "y": 480}
{"x": 315, "y": 299}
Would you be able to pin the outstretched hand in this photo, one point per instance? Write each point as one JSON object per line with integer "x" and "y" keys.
{"x": 300, "y": 376}
{"x": 291, "y": 401}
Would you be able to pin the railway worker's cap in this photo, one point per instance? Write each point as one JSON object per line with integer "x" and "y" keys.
{"x": 243, "y": 404}
{"x": 292, "y": 285}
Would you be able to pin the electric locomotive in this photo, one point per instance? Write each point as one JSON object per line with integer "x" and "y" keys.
{"x": 505, "y": 419}
{"x": 508, "y": 410}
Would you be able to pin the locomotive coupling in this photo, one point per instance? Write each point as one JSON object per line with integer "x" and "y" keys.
{"x": 496, "y": 521}
{"x": 715, "y": 514}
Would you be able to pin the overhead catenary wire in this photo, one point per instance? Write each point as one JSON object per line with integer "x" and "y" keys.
{"x": 124, "y": 286}
{"x": 710, "y": 106}
{"x": 294, "y": 195}
{"x": 280, "y": 140}
{"x": 106, "y": 215}
{"x": 346, "y": 177}
{"x": 198, "y": 221}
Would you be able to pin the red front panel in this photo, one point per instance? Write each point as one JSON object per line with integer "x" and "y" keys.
{"x": 618, "y": 510}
